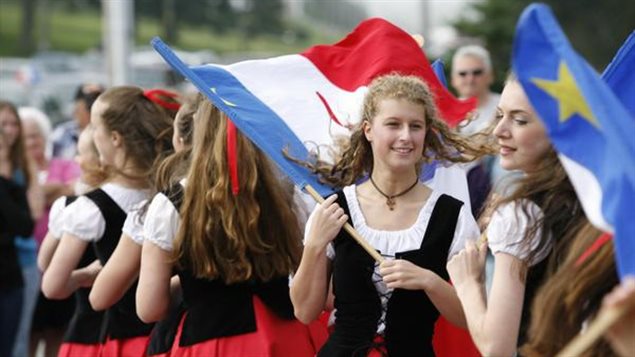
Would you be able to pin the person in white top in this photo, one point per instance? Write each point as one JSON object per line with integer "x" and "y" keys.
{"x": 472, "y": 76}
{"x": 122, "y": 269}
{"x": 399, "y": 216}
{"x": 92, "y": 175}
{"x": 130, "y": 132}
{"x": 525, "y": 227}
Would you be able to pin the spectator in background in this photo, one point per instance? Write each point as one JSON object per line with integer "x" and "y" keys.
{"x": 23, "y": 173}
{"x": 15, "y": 218}
{"x": 66, "y": 134}
{"x": 471, "y": 77}
{"x": 56, "y": 177}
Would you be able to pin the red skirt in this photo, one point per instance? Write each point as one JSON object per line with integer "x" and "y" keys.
{"x": 131, "y": 347}
{"x": 71, "y": 349}
{"x": 273, "y": 337}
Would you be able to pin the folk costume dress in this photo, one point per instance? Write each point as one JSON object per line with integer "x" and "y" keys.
{"x": 251, "y": 318}
{"x": 83, "y": 333}
{"x": 371, "y": 319}
{"x": 98, "y": 217}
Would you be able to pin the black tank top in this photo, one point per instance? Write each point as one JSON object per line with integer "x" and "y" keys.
{"x": 122, "y": 321}
{"x": 86, "y": 324}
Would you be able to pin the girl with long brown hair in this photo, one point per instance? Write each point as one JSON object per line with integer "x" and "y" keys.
{"x": 391, "y": 307}
{"x": 528, "y": 229}
{"x": 130, "y": 132}
{"x": 236, "y": 244}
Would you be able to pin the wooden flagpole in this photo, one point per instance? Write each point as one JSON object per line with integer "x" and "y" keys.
{"x": 348, "y": 228}
{"x": 596, "y": 329}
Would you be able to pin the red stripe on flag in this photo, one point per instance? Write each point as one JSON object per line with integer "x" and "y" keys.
{"x": 599, "y": 242}
{"x": 377, "y": 47}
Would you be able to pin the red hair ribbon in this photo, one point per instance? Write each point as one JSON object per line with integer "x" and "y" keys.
{"x": 154, "y": 95}
{"x": 599, "y": 242}
{"x": 232, "y": 162}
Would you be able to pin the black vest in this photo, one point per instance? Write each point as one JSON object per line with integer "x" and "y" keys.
{"x": 215, "y": 309}
{"x": 410, "y": 315}
{"x": 164, "y": 331}
{"x": 86, "y": 324}
{"x": 122, "y": 321}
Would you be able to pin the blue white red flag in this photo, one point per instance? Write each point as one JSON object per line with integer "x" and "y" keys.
{"x": 314, "y": 97}
{"x": 589, "y": 125}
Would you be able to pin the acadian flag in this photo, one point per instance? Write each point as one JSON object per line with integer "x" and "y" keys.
{"x": 315, "y": 97}
{"x": 620, "y": 73}
{"x": 589, "y": 125}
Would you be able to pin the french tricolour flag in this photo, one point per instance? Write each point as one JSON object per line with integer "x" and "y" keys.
{"x": 312, "y": 98}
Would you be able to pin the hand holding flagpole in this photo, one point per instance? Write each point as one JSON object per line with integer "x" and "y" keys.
{"x": 348, "y": 228}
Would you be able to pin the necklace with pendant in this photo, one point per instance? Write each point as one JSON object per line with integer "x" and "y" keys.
{"x": 390, "y": 199}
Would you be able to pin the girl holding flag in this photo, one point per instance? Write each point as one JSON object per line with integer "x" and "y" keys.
{"x": 130, "y": 132}
{"x": 391, "y": 307}
{"x": 238, "y": 242}
{"x": 528, "y": 232}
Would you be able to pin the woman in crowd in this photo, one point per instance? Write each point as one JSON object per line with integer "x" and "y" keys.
{"x": 131, "y": 131}
{"x": 528, "y": 230}
{"x": 15, "y": 219}
{"x": 239, "y": 241}
{"x": 390, "y": 307}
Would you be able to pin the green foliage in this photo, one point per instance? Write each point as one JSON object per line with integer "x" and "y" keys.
{"x": 80, "y": 30}
{"x": 596, "y": 29}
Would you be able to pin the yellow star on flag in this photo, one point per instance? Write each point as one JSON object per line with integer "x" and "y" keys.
{"x": 566, "y": 92}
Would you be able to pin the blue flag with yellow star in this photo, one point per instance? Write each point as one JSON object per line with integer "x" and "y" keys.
{"x": 590, "y": 127}
{"x": 620, "y": 73}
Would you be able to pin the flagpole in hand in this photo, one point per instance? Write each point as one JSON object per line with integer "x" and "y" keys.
{"x": 597, "y": 328}
{"x": 348, "y": 228}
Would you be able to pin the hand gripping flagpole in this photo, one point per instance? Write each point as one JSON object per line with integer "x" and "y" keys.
{"x": 349, "y": 229}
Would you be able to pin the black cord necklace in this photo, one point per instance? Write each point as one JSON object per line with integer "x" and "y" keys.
{"x": 390, "y": 199}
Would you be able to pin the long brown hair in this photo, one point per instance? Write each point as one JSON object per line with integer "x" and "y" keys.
{"x": 354, "y": 157}
{"x": 572, "y": 296}
{"x": 252, "y": 235}
{"x": 146, "y": 128}
{"x": 17, "y": 151}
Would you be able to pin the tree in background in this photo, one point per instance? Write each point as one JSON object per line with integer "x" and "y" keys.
{"x": 27, "y": 38}
{"x": 596, "y": 29}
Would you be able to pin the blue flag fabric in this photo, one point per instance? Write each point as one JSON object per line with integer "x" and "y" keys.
{"x": 439, "y": 70}
{"x": 247, "y": 111}
{"x": 620, "y": 73}
{"x": 591, "y": 128}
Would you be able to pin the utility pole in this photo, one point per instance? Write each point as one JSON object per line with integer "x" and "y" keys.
{"x": 118, "y": 37}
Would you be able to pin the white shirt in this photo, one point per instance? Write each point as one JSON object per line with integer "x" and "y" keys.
{"x": 486, "y": 112}
{"x": 162, "y": 222}
{"x": 83, "y": 218}
{"x": 55, "y": 217}
{"x": 507, "y": 227}
{"x": 133, "y": 226}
